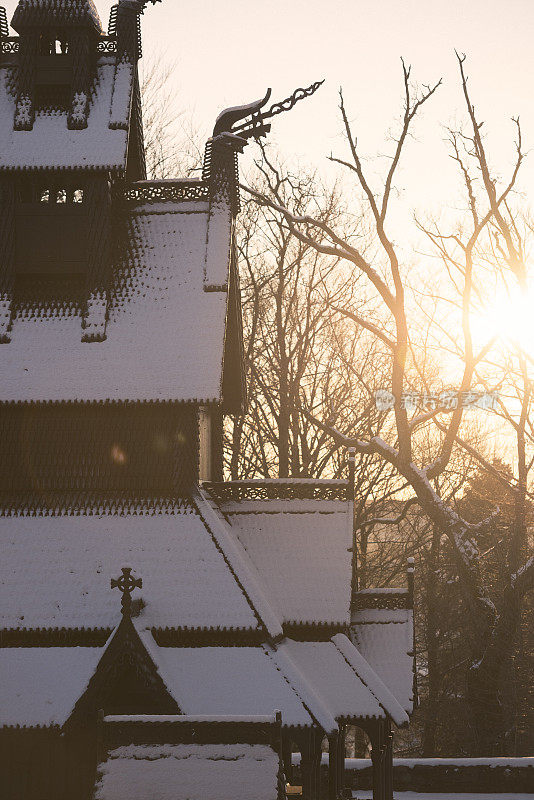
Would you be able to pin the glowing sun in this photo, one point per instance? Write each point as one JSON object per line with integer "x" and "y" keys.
{"x": 509, "y": 316}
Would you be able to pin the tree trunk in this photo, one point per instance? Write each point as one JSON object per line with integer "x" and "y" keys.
{"x": 488, "y": 680}
{"x": 432, "y": 713}
{"x": 284, "y": 408}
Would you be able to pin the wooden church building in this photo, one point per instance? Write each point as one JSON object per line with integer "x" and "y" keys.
{"x": 163, "y": 634}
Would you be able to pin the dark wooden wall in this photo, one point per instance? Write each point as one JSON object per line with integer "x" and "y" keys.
{"x": 41, "y": 764}
{"x": 135, "y": 450}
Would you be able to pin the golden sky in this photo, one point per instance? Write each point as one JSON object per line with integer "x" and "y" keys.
{"x": 228, "y": 51}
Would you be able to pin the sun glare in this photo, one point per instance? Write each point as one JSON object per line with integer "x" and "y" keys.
{"x": 509, "y": 317}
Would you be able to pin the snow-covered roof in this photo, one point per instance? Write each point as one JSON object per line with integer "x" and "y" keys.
{"x": 51, "y": 145}
{"x": 385, "y": 639}
{"x": 56, "y": 12}
{"x": 241, "y": 565}
{"x": 40, "y": 685}
{"x": 55, "y": 572}
{"x": 310, "y": 682}
{"x": 165, "y": 334}
{"x": 299, "y": 549}
{"x": 342, "y": 679}
{"x": 184, "y": 771}
{"x": 227, "y": 680}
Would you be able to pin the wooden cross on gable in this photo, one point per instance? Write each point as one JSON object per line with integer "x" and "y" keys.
{"x": 126, "y": 583}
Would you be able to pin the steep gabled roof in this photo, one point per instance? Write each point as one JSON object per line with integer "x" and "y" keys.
{"x": 299, "y": 548}
{"x": 384, "y": 637}
{"x": 41, "y": 685}
{"x": 312, "y": 683}
{"x": 229, "y": 680}
{"x": 51, "y": 145}
{"x": 165, "y": 333}
{"x": 123, "y": 659}
{"x": 241, "y": 566}
{"x": 55, "y": 572}
{"x": 38, "y": 13}
{"x": 340, "y": 679}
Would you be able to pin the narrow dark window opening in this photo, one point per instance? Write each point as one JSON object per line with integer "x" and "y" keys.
{"x": 53, "y": 45}
{"x": 62, "y": 195}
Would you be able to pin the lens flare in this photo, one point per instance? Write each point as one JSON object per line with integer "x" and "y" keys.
{"x": 118, "y": 456}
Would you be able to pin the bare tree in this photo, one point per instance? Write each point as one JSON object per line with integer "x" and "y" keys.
{"x": 393, "y": 325}
{"x": 487, "y": 251}
{"x": 171, "y": 141}
{"x": 300, "y": 360}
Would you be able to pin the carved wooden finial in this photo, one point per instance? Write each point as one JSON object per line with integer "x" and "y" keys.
{"x": 126, "y": 583}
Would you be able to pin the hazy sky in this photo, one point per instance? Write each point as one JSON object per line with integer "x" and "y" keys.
{"x": 228, "y": 51}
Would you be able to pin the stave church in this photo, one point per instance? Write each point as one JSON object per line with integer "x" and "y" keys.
{"x": 164, "y": 634}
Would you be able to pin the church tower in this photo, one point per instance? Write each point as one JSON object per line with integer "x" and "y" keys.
{"x": 56, "y": 59}
{"x": 81, "y": 322}
{"x": 120, "y": 354}
{"x": 71, "y": 132}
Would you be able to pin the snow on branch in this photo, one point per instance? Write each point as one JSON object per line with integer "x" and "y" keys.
{"x": 523, "y": 580}
{"x": 338, "y": 246}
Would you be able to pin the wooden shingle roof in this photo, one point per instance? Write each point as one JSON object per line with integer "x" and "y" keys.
{"x": 39, "y": 13}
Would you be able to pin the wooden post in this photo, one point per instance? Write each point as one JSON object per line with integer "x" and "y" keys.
{"x": 388, "y": 762}
{"x": 333, "y": 757}
{"x": 305, "y": 766}
{"x": 310, "y": 764}
{"x": 377, "y": 758}
{"x": 341, "y": 759}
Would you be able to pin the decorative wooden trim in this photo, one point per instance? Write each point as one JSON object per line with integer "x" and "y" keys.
{"x": 4, "y": 27}
{"x": 125, "y": 654}
{"x": 313, "y": 631}
{"x": 119, "y": 731}
{"x": 55, "y": 504}
{"x": 154, "y": 191}
{"x": 54, "y": 637}
{"x": 46, "y": 729}
{"x": 9, "y": 44}
{"x": 107, "y": 44}
{"x": 164, "y": 637}
{"x": 112, "y": 24}
{"x": 236, "y": 491}
{"x": 195, "y": 401}
{"x": 391, "y": 600}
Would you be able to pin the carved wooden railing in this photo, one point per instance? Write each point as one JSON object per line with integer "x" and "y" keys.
{"x": 142, "y": 191}
{"x": 280, "y": 489}
{"x": 390, "y": 599}
{"x": 10, "y": 44}
{"x": 107, "y": 44}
